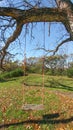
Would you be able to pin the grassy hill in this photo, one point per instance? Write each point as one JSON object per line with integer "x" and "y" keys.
{"x": 56, "y": 94}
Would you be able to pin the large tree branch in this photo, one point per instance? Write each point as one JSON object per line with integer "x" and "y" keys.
{"x": 40, "y": 15}
{"x": 35, "y": 14}
{"x": 16, "y": 33}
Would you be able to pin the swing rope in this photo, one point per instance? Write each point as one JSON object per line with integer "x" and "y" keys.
{"x": 28, "y": 107}
{"x": 43, "y": 59}
{"x": 24, "y": 67}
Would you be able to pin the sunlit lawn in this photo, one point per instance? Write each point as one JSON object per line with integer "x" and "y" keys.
{"x": 58, "y": 110}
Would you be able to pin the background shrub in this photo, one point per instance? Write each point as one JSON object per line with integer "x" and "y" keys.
{"x": 70, "y": 72}
{"x": 2, "y": 78}
{"x": 15, "y": 73}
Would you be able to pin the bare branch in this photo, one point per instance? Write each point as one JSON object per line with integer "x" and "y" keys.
{"x": 28, "y": 4}
{"x": 56, "y": 49}
{"x": 60, "y": 44}
{"x": 15, "y": 35}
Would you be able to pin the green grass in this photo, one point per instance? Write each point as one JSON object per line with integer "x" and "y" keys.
{"x": 12, "y": 93}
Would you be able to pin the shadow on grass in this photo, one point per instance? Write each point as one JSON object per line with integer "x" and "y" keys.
{"x": 46, "y": 119}
{"x": 7, "y": 80}
{"x": 56, "y": 84}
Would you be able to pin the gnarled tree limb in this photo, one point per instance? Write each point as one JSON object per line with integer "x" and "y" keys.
{"x": 9, "y": 40}
{"x": 34, "y": 14}
{"x": 39, "y": 15}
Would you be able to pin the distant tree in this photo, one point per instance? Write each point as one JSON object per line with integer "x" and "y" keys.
{"x": 56, "y": 63}
{"x": 34, "y": 65}
{"x": 11, "y": 65}
{"x": 70, "y": 72}
{"x": 70, "y": 65}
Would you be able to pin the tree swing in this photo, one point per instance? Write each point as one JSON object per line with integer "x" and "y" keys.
{"x": 30, "y": 106}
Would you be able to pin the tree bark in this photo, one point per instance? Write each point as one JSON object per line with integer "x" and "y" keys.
{"x": 40, "y": 15}
{"x": 35, "y": 14}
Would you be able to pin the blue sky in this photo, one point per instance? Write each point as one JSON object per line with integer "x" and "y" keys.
{"x": 57, "y": 31}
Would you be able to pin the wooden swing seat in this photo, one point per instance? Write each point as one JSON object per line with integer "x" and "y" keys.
{"x": 32, "y": 107}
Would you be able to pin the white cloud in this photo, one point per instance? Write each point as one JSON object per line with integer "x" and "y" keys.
{"x": 3, "y": 3}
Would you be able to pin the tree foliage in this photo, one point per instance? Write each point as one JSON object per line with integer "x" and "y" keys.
{"x": 13, "y": 17}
